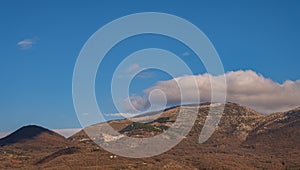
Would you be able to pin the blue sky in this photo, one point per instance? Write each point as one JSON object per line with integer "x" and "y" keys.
{"x": 40, "y": 42}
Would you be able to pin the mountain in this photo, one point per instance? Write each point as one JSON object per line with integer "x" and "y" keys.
{"x": 235, "y": 124}
{"x": 29, "y": 133}
{"x": 28, "y": 145}
{"x": 244, "y": 139}
{"x": 233, "y": 145}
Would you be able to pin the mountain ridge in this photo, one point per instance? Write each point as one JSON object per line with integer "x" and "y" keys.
{"x": 244, "y": 139}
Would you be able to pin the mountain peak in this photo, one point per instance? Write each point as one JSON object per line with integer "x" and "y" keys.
{"x": 26, "y": 133}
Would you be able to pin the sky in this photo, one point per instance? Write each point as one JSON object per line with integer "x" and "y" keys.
{"x": 257, "y": 41}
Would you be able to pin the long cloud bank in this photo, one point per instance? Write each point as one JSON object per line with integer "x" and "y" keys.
{"x": 244, "y": 87}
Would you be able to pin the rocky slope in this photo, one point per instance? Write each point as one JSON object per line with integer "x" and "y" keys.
{"x": 244, "y": 138}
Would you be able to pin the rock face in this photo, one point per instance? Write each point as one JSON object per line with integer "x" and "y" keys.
{"x": 244, "y": 139}
{"x": 235, "y": 125}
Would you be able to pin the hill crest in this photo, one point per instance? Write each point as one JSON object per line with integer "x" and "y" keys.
{"x": 26, "y": 133}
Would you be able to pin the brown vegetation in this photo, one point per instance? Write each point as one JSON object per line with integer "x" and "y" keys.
{"x": 244, "y": 139}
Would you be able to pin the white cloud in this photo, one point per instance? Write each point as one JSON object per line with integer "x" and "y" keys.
{"x": 27, "y": 43}
{"x": 134, "y": 103}
{"x": 67, "y": 132}
{"x": 127, "y": 115}
{"x": 244, "y": 87}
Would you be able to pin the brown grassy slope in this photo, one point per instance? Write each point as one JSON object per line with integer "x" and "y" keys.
{"x": 244, "y": 139}
{"x": 29, "y": 144}
{"x": 230, "y": 147}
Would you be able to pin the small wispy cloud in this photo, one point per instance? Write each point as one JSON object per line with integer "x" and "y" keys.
{"x": 85, "y": 114}
{"x": 27, "y": 43}
{"x": 3, "y": 134}
{"x": 185, "y": 54}
{"x": 134, "y": 67}
{"x": 145, "y": 75}
{"x": 127, "y": 115}
{"x": 67, "y": 132}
